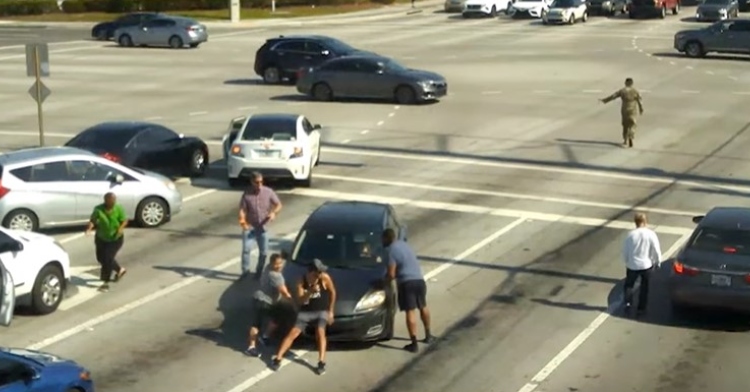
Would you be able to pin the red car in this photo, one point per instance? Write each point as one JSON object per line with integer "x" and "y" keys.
{"x": 651, "y": 8}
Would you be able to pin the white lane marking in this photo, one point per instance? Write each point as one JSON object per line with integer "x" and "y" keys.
{"x": 49, "y": 44}
{"x": 741, "y": 93}
{"x": 672, "y": 63}
{"x": 247, "y": 108}
{"x": 640, "y": 51}
{"x": 25, "y": 134}
{"x": 579, "y": 340}
{"x": 709, "y": 72}
{"x": 689, "y": 67}
{"x": 249, "y": 383}
{"x": 649, "y": 55}
{"x": 397, "y": 107}
{"x": 521, "y": 196}
{"x": 733, "y": 78}
{"x": 660, "y": 59}
{"x": 491, "y": 92}
{"x": 346, "y": 141}
{"x": 532, "y": 167}
{"x": 87, "y": 285}
{"x": 365, "y": 132}
{"x": 20, "y": 56}
{"x": 381, "y": 123}
{"x": 200, "y": 113}
{"x": 137, "y": 303}
{"x": 154, "y": 118}
{"x": 481, "y": 210}
{"x": 690, "y": 92}
{"x": 592, "y": 91}
{"x": 541, "y": 91}
{"x": 391, "y": 114}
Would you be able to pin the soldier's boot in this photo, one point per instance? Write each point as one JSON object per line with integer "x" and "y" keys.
{"x": 630, "y": 142}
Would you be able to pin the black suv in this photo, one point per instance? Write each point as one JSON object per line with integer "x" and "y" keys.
{"x": 283, "y": 57}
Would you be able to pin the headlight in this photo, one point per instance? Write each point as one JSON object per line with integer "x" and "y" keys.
{"x": 370, "y": 301}
{"x": 723, "y": 11}
{"x": 170, "y": 185}
{"x": 425, "y": 85}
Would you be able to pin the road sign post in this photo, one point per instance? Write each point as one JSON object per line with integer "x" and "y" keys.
{"x": 37, "y": 65}
{"x": 234, "y": 10}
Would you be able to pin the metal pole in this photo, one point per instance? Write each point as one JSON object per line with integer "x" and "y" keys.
{"x": 38, "y": 74}
{"x": 273, "y": 5}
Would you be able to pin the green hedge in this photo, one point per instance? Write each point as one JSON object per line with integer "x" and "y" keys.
{"x": 38, "y": 7}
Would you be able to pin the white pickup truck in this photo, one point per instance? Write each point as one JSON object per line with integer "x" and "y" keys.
{"x": 485, "y": 7}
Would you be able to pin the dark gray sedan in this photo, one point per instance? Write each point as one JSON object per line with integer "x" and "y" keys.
{"x": 727, "y": 36}
{"x": 713, "y": 270}
{"x": 715, "y": 10}
{"x": 370, "y": 77}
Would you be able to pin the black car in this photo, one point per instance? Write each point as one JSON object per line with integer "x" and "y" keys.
{"x": 607, "y": 7}
{"x": 106, "y": 30}
{"x": 145, "y": 145}
{"x": 346, "y": 236}
{"x": 283, "y": 57}
{"x": 371, "y": 77}
{"x": 713, "y": 269}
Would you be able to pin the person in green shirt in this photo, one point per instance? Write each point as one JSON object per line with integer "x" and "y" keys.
{"x": 109, "y": 221}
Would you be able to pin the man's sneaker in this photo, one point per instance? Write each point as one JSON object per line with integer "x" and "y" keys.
{"x": 429, "y": 339}
{"x": 252, "y": 352}
{"x": 412, "y": 347}
{"x": 275, "y": 364}
{"x": 321, "y": 368}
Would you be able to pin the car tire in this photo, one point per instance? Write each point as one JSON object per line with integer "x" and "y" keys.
{"x": 48, "y": 290}
{"x": 390, "y": 328}
{"x": 21, "y": 219}
{"x": 101, "y": 35}
{"x": 307, "y": 182}
{"x": 198, "y": 163}
{"x": 125, "y": 41}
{"x": 271, "y": 75}
{"x": 694, "y": 49}
{"x": 663, "y": 13}
{"x": 585, "y": 17}
{"x": 234, "y": 182}
{"x": 175, "y": 42}
{"x": 151, "y": 212}
{"x": 317, "y": 160}
{"x": 322, "y": 92}
{"x": 676, "y": 9}
{"x": 405, "y": 95}
{"x": 572, "y": 19}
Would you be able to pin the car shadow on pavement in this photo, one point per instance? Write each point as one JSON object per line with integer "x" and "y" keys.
{"x": 708, "y": 57}
{"x": 246, "y": 82}
{"x": 304, "y": 98}
{"x": 659, "y": 311}
{"x": 589, "y": 142}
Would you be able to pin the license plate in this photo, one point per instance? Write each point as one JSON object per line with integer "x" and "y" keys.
{"x": 268, "y": 154}
{"x": 721, "y": 280}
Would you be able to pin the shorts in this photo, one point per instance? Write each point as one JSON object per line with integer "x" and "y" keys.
{"x": 317, "y": 319}
{"x": 412, "y": 294}
{"x": 264, "y": 312}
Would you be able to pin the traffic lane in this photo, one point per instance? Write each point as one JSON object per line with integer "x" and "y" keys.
{"x": 662, "y": 351}
{"x": 210, "y": 340}
{"x": 156, "y": 259}
{"x": 508, "y": 293}
{"x": 12, "y": 35}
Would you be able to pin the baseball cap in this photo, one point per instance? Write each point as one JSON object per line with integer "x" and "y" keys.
{"x": 318, "y": 266}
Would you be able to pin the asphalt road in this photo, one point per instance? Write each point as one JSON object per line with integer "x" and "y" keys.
{"x": 515, "y": 189}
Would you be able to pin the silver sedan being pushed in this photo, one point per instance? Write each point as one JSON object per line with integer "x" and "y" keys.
{"x": 168, "y": 31}
{"x": 713, "y": 270}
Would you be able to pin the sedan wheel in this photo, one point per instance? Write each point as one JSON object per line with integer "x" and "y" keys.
{"x": 271, "y": 75}
{"x": 48, "y": 290}
{"x": 405, "y": 95}
{"x": 101, "y": 35}
{"x": 125, "y": 40}
{"x": 585, "y": 17}
{"x": 176, "y": 42}
{"x": 321, "y": 92}
{"x": 152, "y": 212}
{"x": 694, "y": 49}
{"x": 22, "y": 220}
{"x": 198, "y": 163}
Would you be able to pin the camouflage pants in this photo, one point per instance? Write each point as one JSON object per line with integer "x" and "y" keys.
{"x": 628, "y": 127}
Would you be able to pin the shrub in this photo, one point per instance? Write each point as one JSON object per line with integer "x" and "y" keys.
{"x": 28, "y": 7}
{"x": 73, "y": 7}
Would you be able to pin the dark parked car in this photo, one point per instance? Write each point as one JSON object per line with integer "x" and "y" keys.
{"x": 148, "y": 146}
{"x": 346, "y": 237}
{"x": 744, "y": 5}
{"x": 106, "y": 30}
{"x": 651, "y": 8}
{"x": 607, "y": 7}
{"x": 715, "y": 10}
{"x": 371, "y": 77}
{"x": 713, "y": 270}
{"x": 282, "y": 58}
{"x": 727, "y": 36}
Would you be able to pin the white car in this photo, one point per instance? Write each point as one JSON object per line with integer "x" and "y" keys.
{"x": 566, "y": 11}
{"x": 485, "y": 7}
{"x": 529, "y": 8}
{"x": 38, "y": 266}
{"x": 279, "y": 146}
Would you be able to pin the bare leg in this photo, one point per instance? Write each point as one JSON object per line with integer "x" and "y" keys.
{"x": 320, "y": 335}
{"x": 286, "y": 344}
{"x": 253, "y": 337}
{"x": 424, "y": 314}
{"x": 411, "y": 323}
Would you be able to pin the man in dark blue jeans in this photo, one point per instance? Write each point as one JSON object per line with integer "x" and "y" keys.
{"x": 258, "y": 207}
{"x": 403, "y": 266}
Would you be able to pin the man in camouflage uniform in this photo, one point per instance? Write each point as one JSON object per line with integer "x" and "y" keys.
{"x": 631, "y": 108}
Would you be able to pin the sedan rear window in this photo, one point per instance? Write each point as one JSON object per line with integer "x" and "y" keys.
{"x": 270, "y": 129}
{"x": 339, "y": 250}
{"x": 113, "y": 141}
{"x": 722, "y": 240}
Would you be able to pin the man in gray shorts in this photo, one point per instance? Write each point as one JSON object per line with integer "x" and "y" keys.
{"x": 266, "y": 307}
{"x": 317, "y": 296}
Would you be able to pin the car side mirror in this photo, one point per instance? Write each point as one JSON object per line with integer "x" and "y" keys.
{"x": 698, "y": 219}
{"x": 14, "y": 246}
{"x": 325, "y": 53}
{"x": 317, "y": 126}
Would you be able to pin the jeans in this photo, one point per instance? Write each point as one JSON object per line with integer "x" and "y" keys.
{"x": 630, "y": 278}
{"x": 106, "y": 252}
{"x": 261, "y": 238}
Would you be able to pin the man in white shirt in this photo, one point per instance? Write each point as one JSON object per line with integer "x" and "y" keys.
{"x": 641, "y": 253}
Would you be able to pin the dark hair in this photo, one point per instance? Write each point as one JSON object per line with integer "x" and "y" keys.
{"x": 275, "y": 257}
{"x": 389, "y": 235}
{"x": 255, "y": 176}
{"x": 629, "y": 81}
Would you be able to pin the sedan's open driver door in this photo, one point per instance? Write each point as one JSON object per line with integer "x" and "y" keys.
{"x": 7, "y": 296}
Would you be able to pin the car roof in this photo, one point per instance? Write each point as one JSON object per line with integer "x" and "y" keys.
{"x": 352, "y": 215}
{"x": 303, "y": 36}
{"x": 274, "y": 117}
{"x": 33, "y": 154}
{"x": 134, "y": 127}
{"x": 727, "y": 218}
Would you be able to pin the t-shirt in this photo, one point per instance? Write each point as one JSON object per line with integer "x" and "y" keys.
{"x": 108, "y": 223}
{"x": 407, "y": 264}
{"x": 270, "y": 281}
{"x": 641, "y": 249}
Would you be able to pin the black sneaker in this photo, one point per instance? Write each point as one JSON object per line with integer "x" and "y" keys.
{"x": 263, "y": 341}
{"x": 275, "y": 364}
{"x": 252, "y": 352}
{"x": 429, "y": 339}
{"x": 412, "y": 347}
{"x": 321, "y": 370}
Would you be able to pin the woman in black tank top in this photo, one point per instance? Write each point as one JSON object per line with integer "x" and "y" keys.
{"x": 316, "y": 295}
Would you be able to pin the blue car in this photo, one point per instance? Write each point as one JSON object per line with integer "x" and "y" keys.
{"x": 24, "y": 370}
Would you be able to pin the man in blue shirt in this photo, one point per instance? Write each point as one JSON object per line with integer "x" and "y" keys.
{"x": 403, "y": 266}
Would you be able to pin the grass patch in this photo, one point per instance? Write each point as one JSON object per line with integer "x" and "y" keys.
{"x": 211, "y": 15}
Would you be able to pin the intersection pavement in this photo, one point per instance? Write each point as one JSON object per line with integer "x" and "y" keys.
{"x": 515, "y": 190}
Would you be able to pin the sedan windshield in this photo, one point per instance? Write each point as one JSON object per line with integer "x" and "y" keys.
{"x": 722, "y": 241}
{"x": 716, "y": 2}
{"x": 339, "y": 46}
{"x": 565, "y": 3}
{"x": 111, "y": 140}
{"x": 393, "y": 66}
{"x": 339, "y": 250}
